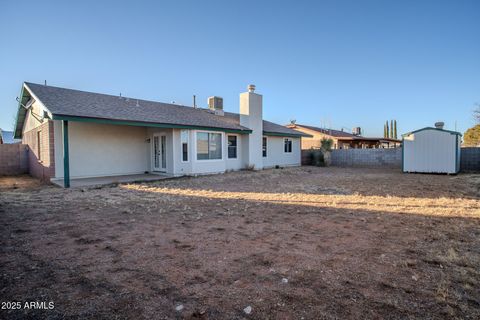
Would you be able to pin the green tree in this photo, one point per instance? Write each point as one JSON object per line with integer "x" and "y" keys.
{"x": 391, "y": 128}
{"x": 471, "y": 137}
{"x": 384, "y": 130}
{"x": 388, "y": 130}
{"x": 395, "y": 129}
{"x": 326, "y": 144}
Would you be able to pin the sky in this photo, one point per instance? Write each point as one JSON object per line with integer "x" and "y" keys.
{"x": 338, "y": 64}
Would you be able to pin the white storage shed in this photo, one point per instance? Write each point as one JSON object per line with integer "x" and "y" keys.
{"x": 431, "y": 150}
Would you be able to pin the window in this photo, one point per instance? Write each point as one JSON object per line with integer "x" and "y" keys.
{"x": 39, "y": 145}
{"x": 184, "y": 140}
{"x": 264, "y": 147}
{"x": 232, "y": 147}
{"x": 209, "y": 146}
{"x": 288, "y": 145}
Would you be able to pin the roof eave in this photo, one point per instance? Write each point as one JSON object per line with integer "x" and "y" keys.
{"x": 431, "y": 128}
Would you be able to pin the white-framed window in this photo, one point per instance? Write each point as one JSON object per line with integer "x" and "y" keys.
{"x": 287, "y": 145}
{"x": 209, "y": 146}
{"x": 264, "y": 147}
{"x": 232, "y": 146}
{"x": 184, "y": 142}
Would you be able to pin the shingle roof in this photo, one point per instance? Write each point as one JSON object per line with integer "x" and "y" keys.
{"x": 75, "y": 103}
{"x": 331, "y": 132}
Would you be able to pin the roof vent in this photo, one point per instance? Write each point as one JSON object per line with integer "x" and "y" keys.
{"x": 439, "y": 125}
{"x": 251, "y": 88}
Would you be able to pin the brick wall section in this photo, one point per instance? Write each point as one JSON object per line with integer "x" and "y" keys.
{"x": 470, "y": 159}
{"x": 13, "y": 159}
{"x": 41, "y": 166}
{"x": 386, "y": 158}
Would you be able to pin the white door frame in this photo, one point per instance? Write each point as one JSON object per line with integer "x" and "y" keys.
{"x": 161, "y": 152}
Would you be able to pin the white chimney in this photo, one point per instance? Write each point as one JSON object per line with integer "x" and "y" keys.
{"x": 251, "y": 116}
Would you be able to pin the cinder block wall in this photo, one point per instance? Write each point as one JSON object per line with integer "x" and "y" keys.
{"x": 13, "y": 159}
{"x": 470, "y": 159}
{"x": 388, "y": 158}
{"x": 41, "y": 165}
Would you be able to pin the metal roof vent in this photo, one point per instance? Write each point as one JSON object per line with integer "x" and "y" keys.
{"x": 439, "y": 125}
{"x": 251, "y": 88}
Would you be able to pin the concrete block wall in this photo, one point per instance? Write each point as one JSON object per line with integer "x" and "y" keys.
{"x": 470, "y": 159}
{"x": 387, "y": 158}
{"x": 41, "y": 165}
{"x": 13, "y": 159}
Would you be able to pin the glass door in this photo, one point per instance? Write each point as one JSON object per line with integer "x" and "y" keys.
{"x": 159, "y": 153}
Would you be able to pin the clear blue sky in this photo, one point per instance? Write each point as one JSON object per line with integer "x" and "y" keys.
{"x": 347, "y": 63}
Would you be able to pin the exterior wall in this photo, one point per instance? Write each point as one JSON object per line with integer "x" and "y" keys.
{"x": 13, "y": 159}
{"x": 431, "y": 151}
{"x": 102, "y": 149}
{"x": 41, "y": 157}
{"x": 277, "y": 156}
{"x": 390, "y": 158}
{"x": 470, "y": 159}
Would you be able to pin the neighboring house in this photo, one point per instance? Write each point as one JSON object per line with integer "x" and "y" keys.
{"x": 77, "y": 134}
{"x": 340, "y": 138}
{"x": 6, "y": 137}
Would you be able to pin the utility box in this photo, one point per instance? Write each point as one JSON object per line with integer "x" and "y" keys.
{"x": 431, "y": 150}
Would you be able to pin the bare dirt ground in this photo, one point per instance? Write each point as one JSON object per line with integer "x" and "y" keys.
{"x": 300, "y": 243}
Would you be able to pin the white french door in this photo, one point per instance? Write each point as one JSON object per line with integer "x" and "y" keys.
{"x": 159, "y": 152}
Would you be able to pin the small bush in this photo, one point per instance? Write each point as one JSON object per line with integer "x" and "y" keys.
{"x": 317, "y": 158}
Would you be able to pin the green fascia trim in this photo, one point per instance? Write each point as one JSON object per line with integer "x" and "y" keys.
{"x": 280, "y": 134}
{"x": 21, "y": 115}
{"x": 66, "y": 156}
{"x": 145, "y": 124}
{"x": 432, "y": 128}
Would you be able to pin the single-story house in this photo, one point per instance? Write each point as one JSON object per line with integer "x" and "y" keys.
{"x": 77, "y": 134}
{"x": 341, "y": 139}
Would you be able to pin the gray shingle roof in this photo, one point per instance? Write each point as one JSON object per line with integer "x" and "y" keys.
{"x": 69, "y": 102}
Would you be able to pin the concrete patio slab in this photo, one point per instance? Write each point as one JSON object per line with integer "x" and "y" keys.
{"x": 98, "y": 181}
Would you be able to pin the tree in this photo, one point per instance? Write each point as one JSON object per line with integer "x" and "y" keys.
{"x": 395, "y": 129}
{"x": 326, "y": 144}
{"x": 471, "y": 137}
{"x": 476, "y": 113}
{"x": 388, "y": 131}
{"x": 391, "y": 128}
{"x": 385, "y": 133}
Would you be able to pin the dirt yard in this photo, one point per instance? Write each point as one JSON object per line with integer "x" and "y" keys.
{"x": 301, "y": 243}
